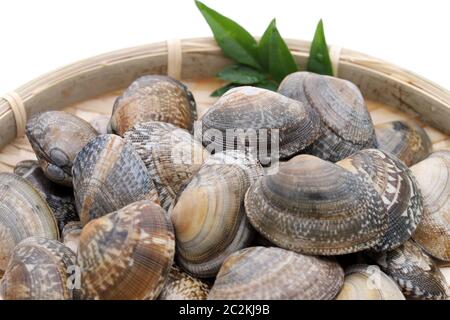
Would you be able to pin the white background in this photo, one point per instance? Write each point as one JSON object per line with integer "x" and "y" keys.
{"x": 39, "y": 36}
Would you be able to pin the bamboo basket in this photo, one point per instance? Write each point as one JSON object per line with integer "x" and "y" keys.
{"x": 88, "y": 89}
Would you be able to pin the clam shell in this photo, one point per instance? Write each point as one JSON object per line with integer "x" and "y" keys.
{"x": 153, "y": 98}
{"x": 59, "y": 198}
{"x": 405, "y": 140}
{"x": 108, "y": 175}
{"x": 126, "y": 254}
{"x": 433, "y": 232}
{"x": 209, "y": 216}
{"x": 56, "y": 137}
{"x": 181, "y": 286}
{"x": 346, "y": 123}
{"x": 23, "y": 213}
{"x": 39, "y": 269}
{"x": 252, "y": 115}
{"x": 398, "y": 189}
{"x": 260, "y": 273}
{"x": 414, "y": 271}
{"x": 316, "y": 207}
{"x": 71, "y": 235}
{"x": 171, "y": 156}
{"x": 368, "y": 282}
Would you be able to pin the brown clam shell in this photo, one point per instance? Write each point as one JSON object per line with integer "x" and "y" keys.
{"x": 56, "y": 138}
{"x": 260, "y": 273}
{"x": 181, "y": 286}
{"x": 398, "y": 189}
{"x": 316, "y": 207}
{"x": 108, "y": 175}
{"x": 405, "y": 140}
{"x": 126, "y": 254}
{"x": 153, "y": 98}
{"x": 39, "y": 269}
{"x": 247, "y": 117}
{"x": 433, "y": 232}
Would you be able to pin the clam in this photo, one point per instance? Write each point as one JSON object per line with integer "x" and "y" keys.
{"x": 39, "y": 269}
{"x": 368, "y": 282}
{"x": 261, "y": 121}
{"x": 260, "y": 273}
{"x": 71, "y": 235}
{"x": 56, "y": 138}
{"x": 108, "y": 175}
{"x": 171, "y": 156}
{"x": 23, "y": 213}
{"x": 414, "y": 271}
{"x": 405, "y": 140}
{"x": 433, "y": 232}
{"x": 209, "y": 216}
{"x": 398, "y": 189}
{"x": 153, "y": 98}
{"x": 59, "y": 198}
{"x": 315, "y": 207}
{"x": 346, "y": 123}
{"x": 181, "y": 286}
{"x": 126, "y": 254}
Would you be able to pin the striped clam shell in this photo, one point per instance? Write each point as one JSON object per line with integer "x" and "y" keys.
{"x": 405, "y": 140}
{"x": 108, "y": 175}
{"x": 414, "y": 271}
{"x": 398, "y": 189}
{"x": 346, "y": 123}
{"x": 23, "y": 213}
{"x": 181, "y": 286}
{"x": 368, "y": 282}
{"x": 316, "y": 207}
{"x": 39, "y": 269}
{"x": 59, "y": 198}
{"x": 171, "y": 156}
{"x": 126, "y": 254}
{"x": 56, "y": 138}
{"x": 253, "y": 115}
{"x": 153, "y": 98}
{"x": 209, "y": 215}
{"x": 259, "y": 273}
{"x": 433, "y": 177}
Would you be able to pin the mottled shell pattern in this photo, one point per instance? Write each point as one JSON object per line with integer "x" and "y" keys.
{"x": 315, "y": 207}
{"x": 181, "y": 286}
{"x": 259, "y": 273}
{"x": 405, "y": 140}
{"x": 108, "y": 175}
{"x": 126, "y": 254}
{"x": 433, "y": 177}
{"x": 368, "y": 282}
{"x": 39, "y": 269}
{"x": 59, "y": 198}
{"x": 153, "y": 98}
{"x": 398, "y": 190}
{"x": 414, "y": 271}
{"x": 23, "y": 213}
{"x": 252, "y": 115}
{"x": 56, "y": 138}
{"x": 171, "y": 156}
{"x": 346, "y": 123}
{"x": 71, "y": 235}
{"x": 209, "y": 215}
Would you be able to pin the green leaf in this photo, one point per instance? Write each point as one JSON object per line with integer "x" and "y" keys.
{"x": 274, "y": 54}
{"x": 241, "y": 74}
{"x": 319, "y": 58}
{"x": 222, "y": 90}
{"x": 236, "y": 42}
{"x": 267, "y": 84}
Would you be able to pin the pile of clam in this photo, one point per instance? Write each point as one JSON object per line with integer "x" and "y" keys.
{"x": 314, "y": 202}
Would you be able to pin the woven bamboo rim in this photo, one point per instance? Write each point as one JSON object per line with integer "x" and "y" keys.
{"x": 202, "y": 58}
